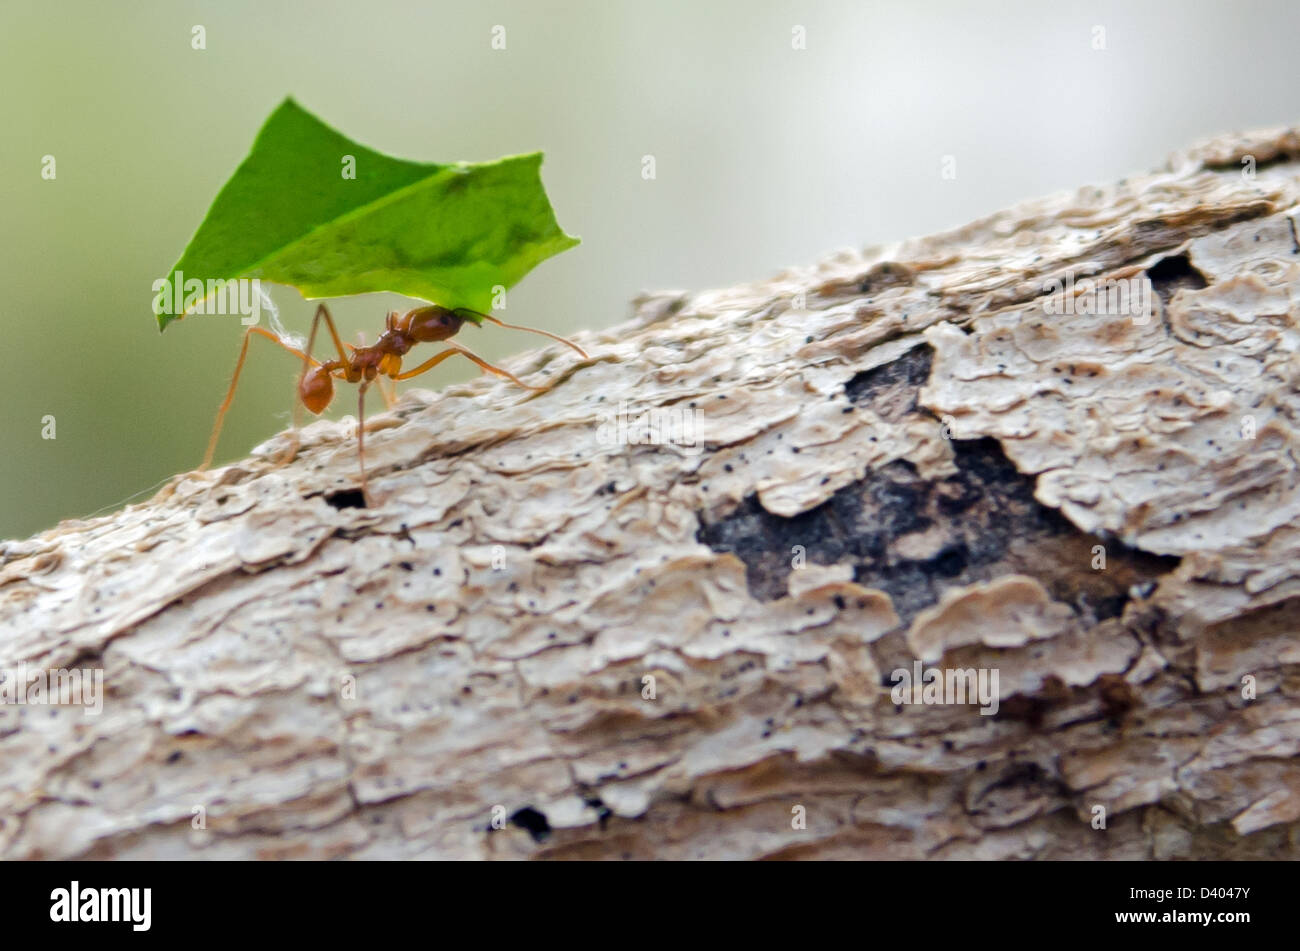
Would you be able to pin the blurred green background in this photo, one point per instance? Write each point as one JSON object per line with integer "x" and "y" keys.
{"x": 767, "y": 156}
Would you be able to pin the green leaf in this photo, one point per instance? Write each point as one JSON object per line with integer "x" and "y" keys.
{"x": 446, "y": 234}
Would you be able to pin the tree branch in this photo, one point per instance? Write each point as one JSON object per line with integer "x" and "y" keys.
{"x": 571, "y": 629}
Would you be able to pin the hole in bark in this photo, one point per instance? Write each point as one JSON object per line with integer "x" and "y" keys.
{"x": 1169, "y": 275}
{"x": 891, "y": 389}
{"x": 603, "y": 812}
{"x": 533, "y": 821}
{"x": 950, "y": 562}
{"x": 347, "y": 499}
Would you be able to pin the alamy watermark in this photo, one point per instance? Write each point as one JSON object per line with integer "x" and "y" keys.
{"x": 656, "y": 426}
{"x": 57, "y": 686}
{"x": 1128, "y": 297}
{"x": 77, "y": 904}
{"x": 181, "y": 297}
{"x": 952, "y": 685}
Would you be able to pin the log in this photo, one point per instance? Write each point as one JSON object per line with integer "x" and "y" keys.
{"x": 660, "y": 610}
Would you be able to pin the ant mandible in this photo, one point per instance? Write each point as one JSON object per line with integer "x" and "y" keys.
{"x": 366, "y": 364}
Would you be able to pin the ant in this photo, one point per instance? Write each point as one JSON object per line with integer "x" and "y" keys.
{"x": 367, "y": 364}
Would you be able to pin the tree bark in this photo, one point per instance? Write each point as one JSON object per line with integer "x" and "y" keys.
{"x": 571, "y": 629}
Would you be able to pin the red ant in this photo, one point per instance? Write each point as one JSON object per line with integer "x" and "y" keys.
{"x": 366, "y": 364}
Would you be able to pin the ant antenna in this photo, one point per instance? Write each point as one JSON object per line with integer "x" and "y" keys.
{"x": 531, "y": 330}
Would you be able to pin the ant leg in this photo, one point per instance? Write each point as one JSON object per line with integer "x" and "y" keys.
{"x": 308, "y": 360}
{"x": 456, "y": 348}
{"x": 361, "y": 440}
{"x": 322, "y": 311}
{"x": 387, "y": 391}
{"x": 234, "y": 381}
{"x": 531, "y": 330}
{"x": 295, "y": 423}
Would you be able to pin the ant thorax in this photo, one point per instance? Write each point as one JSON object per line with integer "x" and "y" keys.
{"x": 395, "y": 342}
{"x": 384, "y": 357}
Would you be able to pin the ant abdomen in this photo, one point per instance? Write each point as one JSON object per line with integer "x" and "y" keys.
{"x": 316, "y": 389}
{"x": 430, "y": 324}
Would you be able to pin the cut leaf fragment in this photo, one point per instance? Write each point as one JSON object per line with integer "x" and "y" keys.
{"x": 293, "y": 214}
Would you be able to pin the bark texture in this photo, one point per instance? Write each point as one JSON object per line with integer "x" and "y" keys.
{"x": 901, "y": 455}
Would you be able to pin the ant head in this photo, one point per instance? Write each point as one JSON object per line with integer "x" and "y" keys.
{"x": 430, "y": 324}
{"x": 316, "y": 389}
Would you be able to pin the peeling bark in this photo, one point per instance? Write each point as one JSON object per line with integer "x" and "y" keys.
{"x": 900, "y": 456}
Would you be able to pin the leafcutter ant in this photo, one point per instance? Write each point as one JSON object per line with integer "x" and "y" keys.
{"x": 367, "y": 364}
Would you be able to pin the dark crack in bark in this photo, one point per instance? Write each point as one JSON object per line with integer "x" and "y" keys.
{"x": 912, "y": 538}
